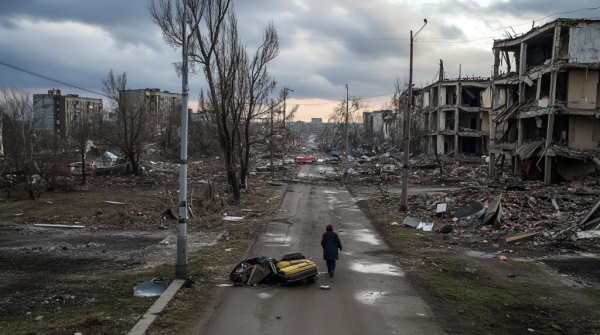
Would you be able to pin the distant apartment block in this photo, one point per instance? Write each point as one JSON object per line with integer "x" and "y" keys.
{"x": 158, "y": 102}
{"x": 55, "y": 112}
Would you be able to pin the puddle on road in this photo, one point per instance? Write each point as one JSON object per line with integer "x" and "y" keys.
{"x": 368, "y": 298}
{"x": 379, "y": 268}
{"x": 480, "y": 254}
{"x": 264, "y": 295}
{"x": 365, "y": 235}
{"x": 276, "y": 238}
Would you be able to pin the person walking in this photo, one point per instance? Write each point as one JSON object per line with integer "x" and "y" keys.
{"x": 330, "y": 243}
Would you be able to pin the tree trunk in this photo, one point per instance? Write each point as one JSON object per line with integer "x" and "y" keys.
{"x": 83, "y": 166}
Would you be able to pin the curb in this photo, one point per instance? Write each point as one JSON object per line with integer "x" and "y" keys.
{"x": 142, "y": 325}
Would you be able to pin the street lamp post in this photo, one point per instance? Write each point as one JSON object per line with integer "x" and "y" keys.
{"x": 181, "y": 268}
{"x": 405, "y": 169}
{"x": 346, "y": 162}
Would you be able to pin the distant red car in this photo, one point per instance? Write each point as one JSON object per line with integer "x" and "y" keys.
{"x": 304, "y": 159}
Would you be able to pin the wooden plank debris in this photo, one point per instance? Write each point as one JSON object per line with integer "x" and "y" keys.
{"x": 521, "y": 237}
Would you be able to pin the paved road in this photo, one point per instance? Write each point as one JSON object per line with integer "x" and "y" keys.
{"x": 369, "y": 293}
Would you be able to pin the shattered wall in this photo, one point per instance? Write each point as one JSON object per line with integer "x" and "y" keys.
{"x": 584, "y": 43}
{"x": 584, "y": 132}
{"x": 486, "y": 97}
{"x": 583, "y": 89}
{"x": 426, "y": 99}
{"x": 485, "y": 121}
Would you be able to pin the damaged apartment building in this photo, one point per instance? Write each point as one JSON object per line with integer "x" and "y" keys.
{"x": 456, "y": 115}
{"x": 546, "y": 106}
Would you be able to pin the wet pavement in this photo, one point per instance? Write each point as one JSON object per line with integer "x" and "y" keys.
{"x": 369, "y": 293}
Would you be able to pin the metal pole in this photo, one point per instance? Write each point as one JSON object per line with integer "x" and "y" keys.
{"x": 346, "y": 163}
{"x": 271, "y": 144}
{"x": 405, "y": 170}
{"x": 181, "y": 269}
{"x": 284, "y": 132}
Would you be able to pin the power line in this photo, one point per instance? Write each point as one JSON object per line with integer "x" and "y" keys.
{"x": 51, "y": 79}
{"x": 335, "y": 102}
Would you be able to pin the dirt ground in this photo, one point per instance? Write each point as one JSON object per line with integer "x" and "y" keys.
{"x": 56, "y": 281}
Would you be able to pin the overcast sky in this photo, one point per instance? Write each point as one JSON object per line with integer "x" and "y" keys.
{"x": 324, "y": 44}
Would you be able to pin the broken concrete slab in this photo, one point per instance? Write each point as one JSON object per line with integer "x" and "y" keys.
{"x": 591, "y": 216}
{"x": 473, "y": 208}
{"x": 521, "y": 237}
{"x": 233, "y": 218}
{"x": 43, "y": 225}
{"x": 588, "y": 234}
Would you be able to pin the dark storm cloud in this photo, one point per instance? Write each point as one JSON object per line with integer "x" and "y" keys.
{"x": 318, "y": 41}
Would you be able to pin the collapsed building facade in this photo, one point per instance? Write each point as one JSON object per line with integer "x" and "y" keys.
{"x": 456, "y": 115}
{"x": 546, "y": 106}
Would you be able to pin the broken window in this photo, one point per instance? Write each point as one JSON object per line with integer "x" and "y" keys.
{"x": 450, "y": 95}
{"x": 434, "y": 97}
{"x": 471, "y": 96}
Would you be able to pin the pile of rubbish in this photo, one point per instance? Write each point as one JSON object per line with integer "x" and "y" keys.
{"x": 520, "y": 211}
{"x": 292, "y": 268}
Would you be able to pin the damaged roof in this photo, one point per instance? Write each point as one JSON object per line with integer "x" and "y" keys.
{"x": 537, "y": 31}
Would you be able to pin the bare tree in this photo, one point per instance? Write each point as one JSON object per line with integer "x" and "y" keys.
{"x": 238, "y": 86}
{"x": 169, "y": 132}
{"x": 81, "y": 134}
{"x": 130, "y": 128}
{"x": 28, "y": 164}
{"x": 338, "y": 117}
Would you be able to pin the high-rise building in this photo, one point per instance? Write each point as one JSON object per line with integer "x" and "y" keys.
{"x": 158, "y": 103}
{"x": 55, "y": 112}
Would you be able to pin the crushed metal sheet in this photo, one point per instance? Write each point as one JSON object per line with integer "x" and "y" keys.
{"x": 493, "y": 214}
{"x": 473, "y": 208}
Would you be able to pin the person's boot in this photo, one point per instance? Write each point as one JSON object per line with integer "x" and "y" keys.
{"x": 331, "y": 273}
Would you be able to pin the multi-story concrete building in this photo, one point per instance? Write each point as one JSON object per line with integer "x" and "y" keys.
{"x": 546, "y": 104}
{"x": 456, "y": 114}
{"x": 55, "y": 112}
{"x": 158, "y": 103}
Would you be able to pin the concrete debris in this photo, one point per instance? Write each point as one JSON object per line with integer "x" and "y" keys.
{"x": 588, "y": 234}
{"x": 62, "y": 226}
{"x": 233, "y": 218}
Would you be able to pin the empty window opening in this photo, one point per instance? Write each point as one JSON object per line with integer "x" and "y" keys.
{"x": 471, "y": 96}
{"x": 468, "y": 145}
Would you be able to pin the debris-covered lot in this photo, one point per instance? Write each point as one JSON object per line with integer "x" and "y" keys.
{"x": 69, "y": 261}
{"x": 503, "y": 255}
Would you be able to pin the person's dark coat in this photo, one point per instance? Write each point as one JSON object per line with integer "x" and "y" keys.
{"x": 330, "y": 243}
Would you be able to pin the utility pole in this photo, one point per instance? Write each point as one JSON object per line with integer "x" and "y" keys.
{"x": 271, "y": 145}
{"x": 405, "y": 170}
{"x": 285, "y": 92}
{"x": 346, "y": 162}
{"x": 181, "y": 269}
